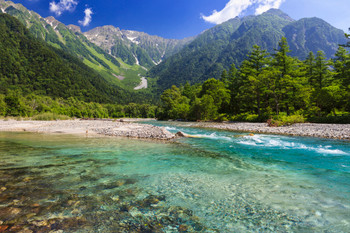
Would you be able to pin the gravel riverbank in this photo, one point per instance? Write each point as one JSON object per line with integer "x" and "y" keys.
{"x": 335, "y": 131}
{"x": 128, "y": 128}
{"x": 90, "y": 127}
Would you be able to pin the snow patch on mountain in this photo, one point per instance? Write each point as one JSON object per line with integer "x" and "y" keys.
{"x": 137, "y": 60}
{"x": 133, "y": 39}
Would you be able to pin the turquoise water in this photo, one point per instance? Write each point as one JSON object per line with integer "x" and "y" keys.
{"x": 218, "y": 182}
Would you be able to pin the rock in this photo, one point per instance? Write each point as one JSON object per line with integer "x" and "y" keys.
{"x": 180, "y": 134}
{"x": 135, "y": 212}
{"x": 26, "y": 230}
{"x": 183, "y": 228}
{"x": 3, "y": 228}
{"x": 40, "y": 223}
{"x": 115, "y": 198}
{"x": 9, "y": 213}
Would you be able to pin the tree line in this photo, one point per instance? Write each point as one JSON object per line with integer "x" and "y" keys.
{"x": 268, "y": 86}
{"x": 31, "y": 105}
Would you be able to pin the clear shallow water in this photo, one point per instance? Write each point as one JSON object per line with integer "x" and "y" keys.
{"x": 220, "y": 181}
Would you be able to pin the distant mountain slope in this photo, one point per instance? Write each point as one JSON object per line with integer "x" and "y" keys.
{"x": 70, "y": 39}
{"x": 217, "y": 48}
{"x": 135, "y": 47}
{"x": 313, "y": 34}
{"x": 31, "y": 66}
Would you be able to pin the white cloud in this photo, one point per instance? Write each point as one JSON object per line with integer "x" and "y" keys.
{"x": 266, "y": 5}
{"x": 63, "y": 5}
{"x": 235, "y": 7}
{"x": 87, "y": 19}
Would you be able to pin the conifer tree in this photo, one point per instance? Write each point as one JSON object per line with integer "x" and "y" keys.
{"x": 309, "y": 65}
{"x": 253, "y": 82}
{"x": 342, "y": 66}
{"x": 234, "y": 84}
{"x": 282, "y": 83}
{"x": 322, "y": 72}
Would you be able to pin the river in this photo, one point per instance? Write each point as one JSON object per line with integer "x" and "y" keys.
{"x": 218, "y": 181}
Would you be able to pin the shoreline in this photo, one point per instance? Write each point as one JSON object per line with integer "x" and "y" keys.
{"x": 131, "y": 129}
{"x": 330, "y": 131}
{"x": 89, "y": 127}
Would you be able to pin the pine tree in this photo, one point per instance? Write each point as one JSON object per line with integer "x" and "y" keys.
{"x": 348, "y": 37}
{"x": 253, "y": 81}
{"x": 234, "y": 84}
{"x": 322, "y": 72}
{"x": 342, "y": 66}
{"x": 309, "y": 65}
{"x": 286, "y": 84}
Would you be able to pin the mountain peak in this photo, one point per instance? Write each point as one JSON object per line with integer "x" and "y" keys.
{"x": 278, "y": 12}
{"x": 52, "y": 21}
{"x": 74, "y": 28}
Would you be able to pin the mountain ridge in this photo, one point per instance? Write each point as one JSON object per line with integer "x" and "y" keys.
{"x": 136, "y": 47}
{"x": 123, "y": 56}
{"x": 217, "y": 48}
{"x": 31, "y": 66}
{"x": 72, "y": 40}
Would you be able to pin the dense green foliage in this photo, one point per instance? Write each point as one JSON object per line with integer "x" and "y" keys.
{"x": 71, "y": 40}
{"x": 28, "y": 66}
{"x": 47, "y": 108}
{"x": 217, "y": 48}
{"x": 66, "y": 39}
{"x": 266, "y": 86}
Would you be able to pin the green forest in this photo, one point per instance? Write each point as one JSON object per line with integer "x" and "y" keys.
{"x": 37, "y": 78}
{"x": 274, "y": 87}
{"x": 217, "y": 48}
{"x": 36, "y": 106}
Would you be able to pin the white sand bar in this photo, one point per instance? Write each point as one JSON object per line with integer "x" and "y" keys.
{"x": 104, "y": 127}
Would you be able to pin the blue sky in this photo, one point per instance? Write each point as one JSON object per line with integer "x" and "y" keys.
{"x": 180, "y": 18}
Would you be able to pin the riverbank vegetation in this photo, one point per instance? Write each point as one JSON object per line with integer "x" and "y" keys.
{"x": 32, "y": 105}
{"x": 269, "y": 86}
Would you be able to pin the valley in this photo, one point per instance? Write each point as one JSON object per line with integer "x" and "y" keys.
{"x": 243, "y": 127}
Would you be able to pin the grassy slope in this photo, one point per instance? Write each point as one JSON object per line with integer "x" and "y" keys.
{"x": 130, "y": 73}
{"x": 65, "y": 37}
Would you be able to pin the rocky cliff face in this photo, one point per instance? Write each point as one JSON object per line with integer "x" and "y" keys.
{"x": 135, "y": 47}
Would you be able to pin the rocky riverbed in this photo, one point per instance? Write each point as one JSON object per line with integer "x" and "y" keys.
{"x": 89, "y": 127}
{"x": 128, "y": 128}
{"x": 31, "y": 201}
{"x": 335, "y": 131}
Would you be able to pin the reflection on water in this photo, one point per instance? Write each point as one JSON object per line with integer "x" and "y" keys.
{"x": 221, "y": 182}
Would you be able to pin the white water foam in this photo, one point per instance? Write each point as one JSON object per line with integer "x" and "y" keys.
{"x": 274, "y": 142}
{"x": 170, "y": 128}
{"x": 248, "y": 143}
{"x": 212, "y": 136}
{"x": 330, "y": 151}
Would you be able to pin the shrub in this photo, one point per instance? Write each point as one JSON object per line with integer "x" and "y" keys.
{"x": 252, "y": 118}
{"x": 285, "y": 120}
{"x": 246, "y": 117}
{"x": 48, "y": 116}
{"x": 221, "y": 118}
{"x": 345, "y": 119}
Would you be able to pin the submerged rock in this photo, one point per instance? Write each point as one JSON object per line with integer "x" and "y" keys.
{"x": 180, "y": 134}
